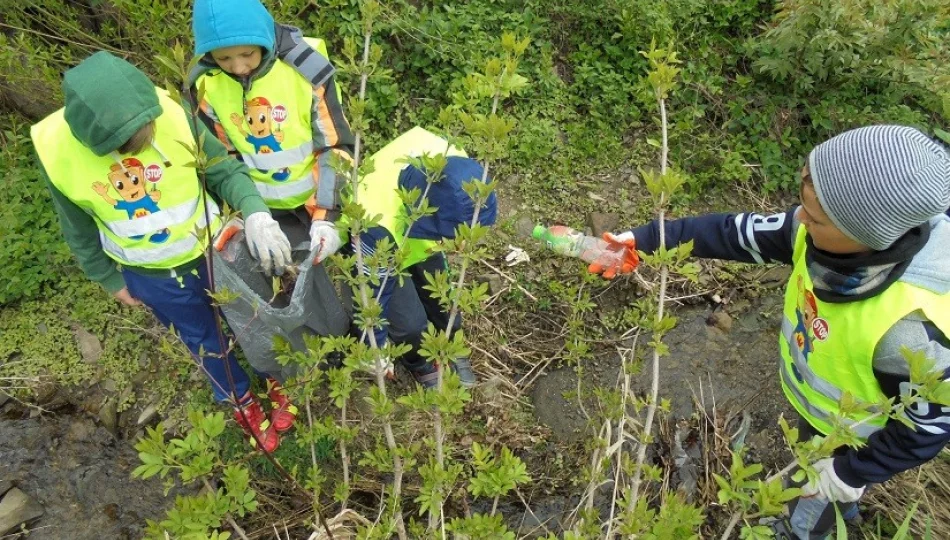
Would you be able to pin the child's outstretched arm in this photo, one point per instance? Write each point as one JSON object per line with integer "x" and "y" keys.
{"x": 746, "y": 237}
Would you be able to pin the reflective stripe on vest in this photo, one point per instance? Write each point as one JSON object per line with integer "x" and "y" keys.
{"x": 287, "y": 190}
{"x": 146, "y": 211}
{"x": 863, "y": 430}
{"x": 824, "y": 387}
{"x": 278, "y": 160}
{"x": 379, "y": 189}
{"x": 828, "y": 349}
{"x": 154, "y": 222}
{"x": 278, "y": 104}
{"x": 168, "y": 250}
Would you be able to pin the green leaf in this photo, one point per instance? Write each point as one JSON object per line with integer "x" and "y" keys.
{"x": 904, "y": 530}
{"x": 841, "y": 529}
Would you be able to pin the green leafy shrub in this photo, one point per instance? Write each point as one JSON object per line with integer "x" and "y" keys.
{"x": 31, "y": 245}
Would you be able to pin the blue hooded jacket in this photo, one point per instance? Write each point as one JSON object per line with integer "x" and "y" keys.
{"x": 226, "y": 23}
{"x": 453, "y": 205}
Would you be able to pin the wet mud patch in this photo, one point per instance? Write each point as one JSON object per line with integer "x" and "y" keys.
{"x": 727, "y": 364}
{"x": 80, "y": 474}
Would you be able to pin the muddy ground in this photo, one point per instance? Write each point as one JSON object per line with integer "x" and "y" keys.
{"x": 727, "y": 366}
{"x": 81, "y": 475}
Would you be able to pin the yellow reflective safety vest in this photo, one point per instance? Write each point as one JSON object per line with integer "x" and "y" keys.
{"x": 146, "y": 211}
{"x": 379, "y": 190}
{"x": 270, "y": 126}
{"x": 828, "y": 348}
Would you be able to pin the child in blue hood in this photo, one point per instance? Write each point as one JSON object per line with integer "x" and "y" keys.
{"x": 270, "y": 96}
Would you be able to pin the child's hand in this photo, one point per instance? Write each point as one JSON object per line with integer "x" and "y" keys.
{"x": 126, "y": 298}
{"x": 155, "y": 195}
{"x": 279, "y": 135}
{"x": 620, "y": 258}
{"x": 237, "y": 120}
{"x": 100, "y": 188}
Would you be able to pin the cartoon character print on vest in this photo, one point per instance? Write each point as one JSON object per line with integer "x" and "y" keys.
{"x": 809, "y": 327}
{"x": 129, "y": 180}
{"x": 259, "y": 114}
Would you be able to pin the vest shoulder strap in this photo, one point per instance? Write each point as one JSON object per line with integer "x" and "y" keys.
{"x": 293, "y": 50}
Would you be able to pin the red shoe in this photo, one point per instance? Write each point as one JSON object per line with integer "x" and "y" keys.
{"x": 255, "y": 422}
{"x": 283, "y": 413}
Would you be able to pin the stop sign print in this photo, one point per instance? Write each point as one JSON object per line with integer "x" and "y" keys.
{"x": 153, "y": 173}
{"x": 279, "y": 114}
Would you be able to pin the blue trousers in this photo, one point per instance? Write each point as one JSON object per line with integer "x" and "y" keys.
{"x": 181, "y": 302}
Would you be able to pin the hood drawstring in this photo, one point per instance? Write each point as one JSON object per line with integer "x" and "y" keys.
{"x": 118, "y": 159}
{"x": 165, "y": 161}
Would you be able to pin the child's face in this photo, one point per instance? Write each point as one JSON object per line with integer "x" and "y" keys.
{"x": 825, "y": 235}
{"x": 239, "y": 60}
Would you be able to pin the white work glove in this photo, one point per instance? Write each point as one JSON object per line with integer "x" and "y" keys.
{"x": 620, "y": 238}
{"x": 829, "y": 485}
{"x": 385, "y": 363}
{"x": 324, "y": 234}
{"x": 267, "y": 242}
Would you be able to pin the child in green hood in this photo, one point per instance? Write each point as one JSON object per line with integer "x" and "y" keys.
{"x": 129, "y": 205}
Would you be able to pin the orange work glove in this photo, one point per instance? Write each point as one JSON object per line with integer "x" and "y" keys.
{"x": 619, "y": 258}
{"x": 232, "y": 227}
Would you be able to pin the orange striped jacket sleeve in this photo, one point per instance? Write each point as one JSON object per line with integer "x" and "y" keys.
{"x": 331, "y": 135}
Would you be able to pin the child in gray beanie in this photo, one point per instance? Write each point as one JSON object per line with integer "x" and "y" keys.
{"x": 870, "y": 277}
{"x": 876, "y": 183}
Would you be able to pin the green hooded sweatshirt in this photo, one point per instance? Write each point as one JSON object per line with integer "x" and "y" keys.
{"x": 107, "y": 101}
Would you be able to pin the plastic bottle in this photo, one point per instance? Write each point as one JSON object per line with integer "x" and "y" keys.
{"x": 567, "y": 241}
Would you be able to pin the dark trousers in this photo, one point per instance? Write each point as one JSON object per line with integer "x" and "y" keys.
{"x": 183, "y": 303}
{"x": 411, "y": 308}
{"x": 408, "y": 307}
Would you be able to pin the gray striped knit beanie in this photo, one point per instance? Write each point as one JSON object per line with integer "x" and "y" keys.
{"x": 878, "y": 182}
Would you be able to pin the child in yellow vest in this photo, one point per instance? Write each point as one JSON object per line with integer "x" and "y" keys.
{"x": 129, "y": 206}
{"x": 871, "y": 277}
{"x": 271, "y": 98}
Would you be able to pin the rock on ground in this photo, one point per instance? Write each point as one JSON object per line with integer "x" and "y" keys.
{"x": 16, "y": 508}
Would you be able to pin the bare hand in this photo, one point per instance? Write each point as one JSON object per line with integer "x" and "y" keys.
{"x": 155, "y": 195}
{"x": 237, "y": 120}
{"x": 279, "y": 136}
{"x": 126, "y": 298}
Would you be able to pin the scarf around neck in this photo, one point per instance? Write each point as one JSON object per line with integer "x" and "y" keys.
{"x": 839, "y": 279}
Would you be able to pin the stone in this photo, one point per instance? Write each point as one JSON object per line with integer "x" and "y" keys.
{"x": 17, "y": 508}
{"x": 109, "y": 415}
{"x": 721, "y": 320}
{"x": 89, "y": 345}
{"x": 148, "y": 413}
{"x": 42, "y": 329}
{"x": 776, "y": 276}
{"x": 524, "y": 226}
{"x": 4, "y": 397}
{"x": 601, "y": 222}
